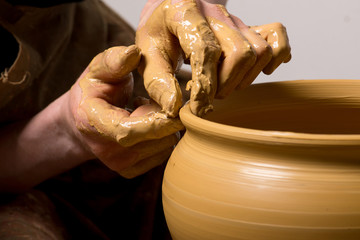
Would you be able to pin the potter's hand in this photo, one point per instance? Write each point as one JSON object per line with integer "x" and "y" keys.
{"x": 200, "y": 32}
{"x": 276, "y": 36}
{"x": 127, "y": 143}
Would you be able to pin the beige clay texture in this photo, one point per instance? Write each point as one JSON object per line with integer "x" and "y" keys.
{"x": 275, "y": 161}
{"x": 172, "y": 29}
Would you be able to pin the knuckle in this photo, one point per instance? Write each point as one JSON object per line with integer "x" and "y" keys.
{"x": 280, "y": 26}
{"x": 245, "y": 55}
{"x": 113, "y": 59}
{"x": 264, "y": 51}
{"x": 209, "y": 44}
{"x": 285, "y": 50}
{"x": 207, "y": 41}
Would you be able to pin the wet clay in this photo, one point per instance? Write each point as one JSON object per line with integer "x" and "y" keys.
{"x": 247, "y": 50}
{"x": 99, "y": 107}
{"x": 238, "y": 55}
{"x": 171, "y": 25}
{"x": 275, "y": 161}
{"x": 146, "y": 109}
{"x": 275, "y": 35}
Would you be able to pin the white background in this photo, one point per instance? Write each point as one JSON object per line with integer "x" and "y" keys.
{"x": 324, "y": 34}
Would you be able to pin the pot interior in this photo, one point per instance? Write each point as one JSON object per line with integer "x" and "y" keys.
{"x": 303, "y": 106}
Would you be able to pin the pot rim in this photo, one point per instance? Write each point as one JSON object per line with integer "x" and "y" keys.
{"x": 214, "y": 129}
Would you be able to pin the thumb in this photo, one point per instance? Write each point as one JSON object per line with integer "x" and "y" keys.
{"x": 114, "y": 63}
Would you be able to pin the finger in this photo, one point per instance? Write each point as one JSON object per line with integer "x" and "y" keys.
{"x": 262, "y": 50}
{"x": 163, "y": 88}
{"x": 146, "y": 164}
{"x": 154, "y": 125}
{"x": 281, "y": 48}
{"x": 109, "y": 75}
{"x": 200, "y": 46}
{"x": 275, "y": 34}
{"x": 114, "y": 63}
{"x": 117, "y": 124}
{"x": 287, "y": 59}
{"x": 159, "y": 63}
{"x": 238, "y": 56}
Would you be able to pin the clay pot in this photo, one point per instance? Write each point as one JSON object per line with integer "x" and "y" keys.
{"x": 274, "y": 161}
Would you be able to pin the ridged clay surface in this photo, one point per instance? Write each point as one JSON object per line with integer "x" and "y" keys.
{"x": 273, "y": 161}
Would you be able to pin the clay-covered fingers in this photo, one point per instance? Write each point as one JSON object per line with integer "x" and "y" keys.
{"x": 162, "y": 86}
{"x": 238, "y": 56}
{"x": 201, "y": 47}
{"x": 114, "y": 63}
{"x": 174, "y": 29}
{"x": 109, "y": 78}
{"x": 224, "y": 53}
{"x": 260, "y": 46}
{"x": 119, "y": 138}
{"x": 117, "y": 124}
{"x": 276, "y": 36}
{"x": 244, "y": 52}
{"x": 161, "y": 57}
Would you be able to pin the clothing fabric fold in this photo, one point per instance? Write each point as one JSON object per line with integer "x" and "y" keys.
{"x": 54, "y": 44}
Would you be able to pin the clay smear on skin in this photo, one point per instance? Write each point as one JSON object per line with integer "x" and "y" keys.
{"x": 275, "y": 35}
{"x": 237, "y": 53}
{"x": 127, "y": 130}
{"x": 117, "y": 123}
{"x": 182, "y": 20}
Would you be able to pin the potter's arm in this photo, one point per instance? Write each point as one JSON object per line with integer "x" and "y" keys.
{"x": 37, "y": 149}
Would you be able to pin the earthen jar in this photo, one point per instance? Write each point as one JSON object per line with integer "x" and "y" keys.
{"x": 274, "y": 161}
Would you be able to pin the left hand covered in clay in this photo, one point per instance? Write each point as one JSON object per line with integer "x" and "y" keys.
{"x": 129, "y": 143}
{"x": 224, "y": 53}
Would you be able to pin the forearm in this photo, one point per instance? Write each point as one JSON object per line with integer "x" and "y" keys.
{"x": 38, "y": 149}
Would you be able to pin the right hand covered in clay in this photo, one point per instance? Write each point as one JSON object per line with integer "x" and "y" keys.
{"x": 224, "y": 53}
{"x": 128, "y": 143}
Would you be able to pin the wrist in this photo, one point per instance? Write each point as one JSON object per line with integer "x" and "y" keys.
{"x": 72, "y": 134}
{"x": 42, "y": 147}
